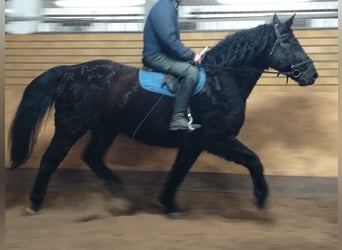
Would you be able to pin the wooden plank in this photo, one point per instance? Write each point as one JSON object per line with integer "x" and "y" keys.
{"x": 121, "y": 59}
{"x": 33, "y": 73}
{"x": 323, "y": 61}
{"x": 324, "y": 57}
{"x": 321, "y": 72}
{"x": 24, "y": 76}
{"x": 204, "y": 36}
{"x": 263, "y": 80}
{"x": 70, "y": 59}
{"x": 282, "y": 81}
{"x": 44, "y": 66}
{"x": 29, "y": 56}
{"x": 69, "y": 51}
{"x": 23, "y": 73}
{"x": 18, "y": 81}
{"x": 109, "y": 36}
{"x": 29, "y": 66}
{"x": 77, "y": 36}
{"x": 316, "y": 33}
{"x": 321, "y": 49}
{"x": 318, "y": 41}
{"x": 309, "y": 41}
{"x": 316, "y": 57}
{"x": 120, "y": 40}
{"x": 321, "y": 37}
{"x": 200, "y": 44}
{"x": 326, "y": 65}
{"x": 138, "y": 44}
{"x": 17, "y": 90}
{"x": 74, "y": 44}
{"x": 323, "y": 33}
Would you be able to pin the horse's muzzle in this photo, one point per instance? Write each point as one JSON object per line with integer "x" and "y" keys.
{"x": 304, "y": 73}
{"x": 309, "y": 78}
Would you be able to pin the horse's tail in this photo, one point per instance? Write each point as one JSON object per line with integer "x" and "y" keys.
{"x": 38, "y": 98}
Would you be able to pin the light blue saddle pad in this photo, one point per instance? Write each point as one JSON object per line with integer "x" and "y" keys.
{"x": 152, "y": 81}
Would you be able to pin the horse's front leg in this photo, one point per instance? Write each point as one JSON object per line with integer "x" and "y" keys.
{"x": 233, "y": 150}
{"x": 185, "y": 158}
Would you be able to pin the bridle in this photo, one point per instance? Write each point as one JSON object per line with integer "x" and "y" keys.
{"x": 297, "y": 70}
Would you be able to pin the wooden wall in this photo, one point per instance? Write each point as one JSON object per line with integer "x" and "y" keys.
{"x": 29, "y": 55}
{"x": 293, "y": 129}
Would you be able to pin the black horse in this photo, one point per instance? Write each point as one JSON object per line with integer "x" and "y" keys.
{"x": 105, "y": 97}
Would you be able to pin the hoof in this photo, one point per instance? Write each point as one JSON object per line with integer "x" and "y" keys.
{"x": 120, "y": 206}
{"x": 261, "y": 197}
{"x": 260, "y": 204}
{"x": 171, "y": 209}
{"x": 30, "y": 211}
{"x": 175, "y": 215}
{"x": 33, "y": 209}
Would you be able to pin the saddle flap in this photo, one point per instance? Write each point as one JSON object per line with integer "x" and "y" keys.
{"x": 166, "y": 84}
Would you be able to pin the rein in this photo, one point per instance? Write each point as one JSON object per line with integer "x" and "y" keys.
{"x": 236, "y": 69}
{"x": 250, "y": 70}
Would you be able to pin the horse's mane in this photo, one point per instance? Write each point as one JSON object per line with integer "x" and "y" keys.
{"x": 241, "y": 46}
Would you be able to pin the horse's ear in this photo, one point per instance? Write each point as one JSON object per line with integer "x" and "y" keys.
{"x": 289, "y": 22}
{"x": 276, "y": 19}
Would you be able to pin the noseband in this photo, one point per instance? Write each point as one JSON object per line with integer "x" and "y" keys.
{"x": 297, "y": 70}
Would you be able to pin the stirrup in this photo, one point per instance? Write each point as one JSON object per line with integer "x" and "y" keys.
{"x": 191, "y": 126}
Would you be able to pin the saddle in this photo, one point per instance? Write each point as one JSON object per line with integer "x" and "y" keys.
{"x": 166, "y": 84}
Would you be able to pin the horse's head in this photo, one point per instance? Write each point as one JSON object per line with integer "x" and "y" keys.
{"x": 288, "y": 57}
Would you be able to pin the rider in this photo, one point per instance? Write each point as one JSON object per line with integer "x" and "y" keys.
{"x": 164, "y": 52}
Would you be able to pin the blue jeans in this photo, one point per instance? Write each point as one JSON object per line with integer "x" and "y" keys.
{"x": 187, "y": 71}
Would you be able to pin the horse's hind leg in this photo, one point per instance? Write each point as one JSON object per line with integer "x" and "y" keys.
{"x": 55, "y": 153}
{"x": 101, "y": 139}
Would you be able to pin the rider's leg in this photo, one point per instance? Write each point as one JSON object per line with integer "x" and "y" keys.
{"x": 189, "y": 73}
{"x": 179, "y": 120}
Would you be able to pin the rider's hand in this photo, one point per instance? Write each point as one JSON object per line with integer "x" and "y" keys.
{"x": 198, "y": 59}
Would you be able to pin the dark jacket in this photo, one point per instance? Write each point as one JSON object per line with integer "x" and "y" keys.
{"x": 161, "y": 32}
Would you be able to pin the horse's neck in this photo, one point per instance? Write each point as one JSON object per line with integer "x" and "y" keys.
{"x": 247, "y": 60}
{"x": 245, "y": 77}
{"x": 245, "y": 81}
{"x": 244, "y": 49}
